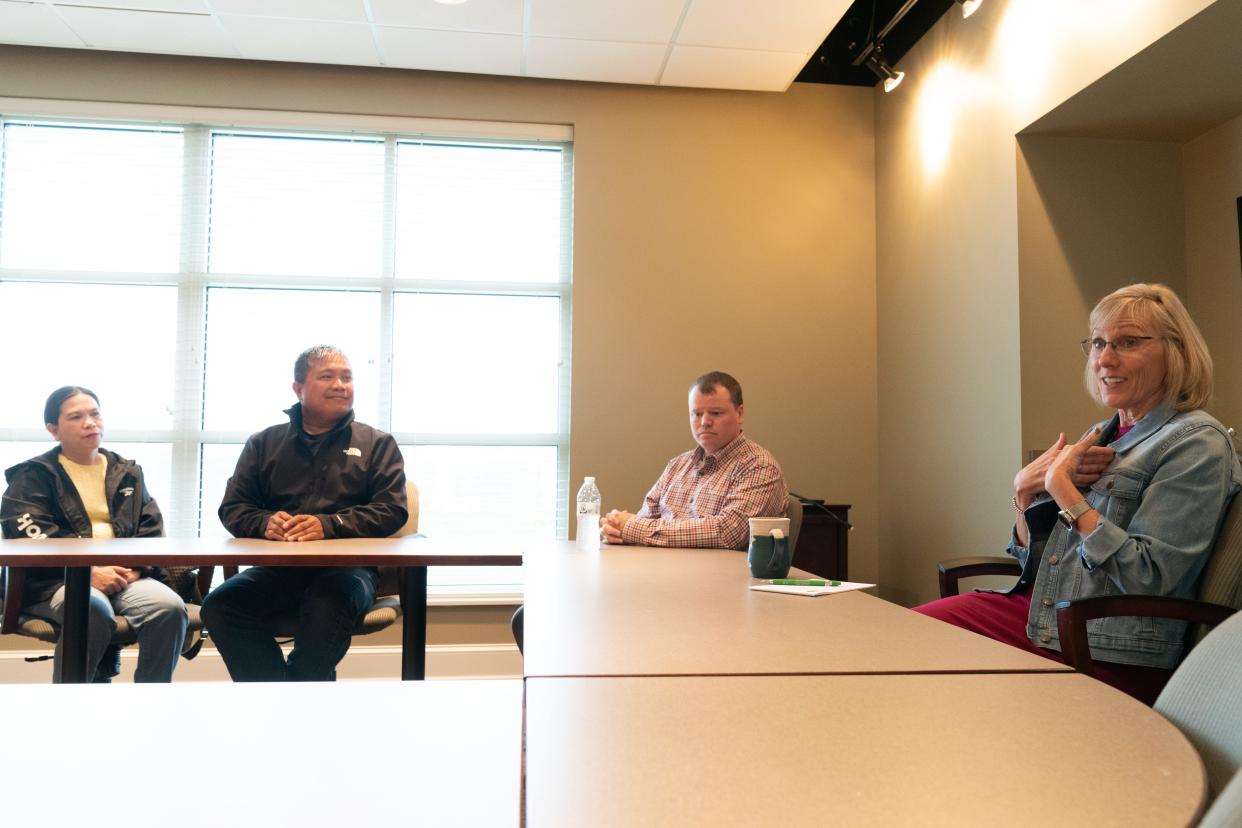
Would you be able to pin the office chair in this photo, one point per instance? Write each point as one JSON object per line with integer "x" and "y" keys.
{"x": 1226, "y": 810}
{"x": 793, "y": 511}
{"x": 1203, "y": 701}
{"x": 1218, "y": 596}
{"x": 191, "y": 583}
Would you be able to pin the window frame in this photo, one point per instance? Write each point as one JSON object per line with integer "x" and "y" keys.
{"x": 187, "y": 435}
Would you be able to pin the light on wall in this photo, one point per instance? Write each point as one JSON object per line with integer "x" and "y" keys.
{"x": 969, "y": 7}
{"x": 876, "y": 63}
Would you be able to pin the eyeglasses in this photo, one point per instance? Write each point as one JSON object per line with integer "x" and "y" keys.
{"x": 1121, "y": 345}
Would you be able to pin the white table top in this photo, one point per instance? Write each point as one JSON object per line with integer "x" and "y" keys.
{"x": 642, "y": 611}
{"x": 956, "y": 750}
{"x": 332, "y": 754}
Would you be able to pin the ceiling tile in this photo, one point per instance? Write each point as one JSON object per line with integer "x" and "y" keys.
{"x": 142, "y": 31}
{"x": 775, "y": 26}
{"x": 349, "y": 11}
{"x": 738, "y": 44}
{"x": 194, "y": 6}
{"x": 310, "y": 41}
{"x": 548, "y": 57}
{"x": 475, "y": 16}
{"x": 35, "y": 25}
{"x": 489, "y": 54}
{"x": 635, "y": 21}
{"x": 732, "y": 68}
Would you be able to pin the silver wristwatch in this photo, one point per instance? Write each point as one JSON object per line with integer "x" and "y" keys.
{"x": 1071, "y": 515}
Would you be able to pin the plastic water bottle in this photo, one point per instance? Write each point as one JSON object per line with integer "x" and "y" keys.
{"x": 588, "y": 516}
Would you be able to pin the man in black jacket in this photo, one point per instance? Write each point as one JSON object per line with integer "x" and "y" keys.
{"x": 323, "y": 475}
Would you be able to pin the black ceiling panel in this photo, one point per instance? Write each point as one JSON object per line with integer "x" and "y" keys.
{"x": 833, "y": 61}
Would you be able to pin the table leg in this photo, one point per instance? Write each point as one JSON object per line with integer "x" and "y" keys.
{"x": 73, "y": 630}
{"x": 414, "y": 624}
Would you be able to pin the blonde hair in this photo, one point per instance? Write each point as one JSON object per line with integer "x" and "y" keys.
{"x": 1156, "y": 308}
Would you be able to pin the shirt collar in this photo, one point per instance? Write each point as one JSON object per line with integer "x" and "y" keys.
{"x": 709, "y": 461}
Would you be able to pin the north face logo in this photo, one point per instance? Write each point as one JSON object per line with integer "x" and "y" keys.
{"x": 29, "y": 527}
{"x": 127, "y": 491}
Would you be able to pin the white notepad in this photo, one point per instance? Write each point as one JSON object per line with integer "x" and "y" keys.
{"x": 828, "y": 589}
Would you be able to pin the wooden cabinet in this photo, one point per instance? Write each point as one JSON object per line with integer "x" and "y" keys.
{"x": 823, "y": 543}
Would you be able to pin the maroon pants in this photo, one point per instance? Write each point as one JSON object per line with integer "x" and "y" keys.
{"x": 1003, "y": 618}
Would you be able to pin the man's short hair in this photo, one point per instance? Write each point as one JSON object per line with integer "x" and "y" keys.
{"x": 302, "y": 366}
{"x": 712, "y": 380}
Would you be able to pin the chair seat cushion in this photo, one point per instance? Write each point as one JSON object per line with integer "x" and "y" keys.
{"x": 45, "y": 630}
{"x": 383, "y": 613}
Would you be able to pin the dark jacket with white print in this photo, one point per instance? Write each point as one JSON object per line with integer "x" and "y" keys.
{"x": 42, "y": 502}
{"x": 352, "y": 478}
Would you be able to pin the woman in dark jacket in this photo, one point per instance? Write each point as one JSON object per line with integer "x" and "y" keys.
{"x": 80, "y": 490}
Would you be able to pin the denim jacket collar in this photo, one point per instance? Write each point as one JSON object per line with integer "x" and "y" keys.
{"x": 1149, "y": 424}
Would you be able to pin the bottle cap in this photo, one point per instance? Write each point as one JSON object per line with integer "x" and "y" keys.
{"x": 588, "y": 480}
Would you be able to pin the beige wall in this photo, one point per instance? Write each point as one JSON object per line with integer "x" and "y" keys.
{"x": 1213, "y": 171}
{"x": 1093, "y": 215}
{"x": 907, "y": 314}
{"x": 950, "y": 339}
{"x": 711, "y": 230}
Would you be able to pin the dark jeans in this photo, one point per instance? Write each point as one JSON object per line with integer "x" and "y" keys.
{"x": 328, "y": 600}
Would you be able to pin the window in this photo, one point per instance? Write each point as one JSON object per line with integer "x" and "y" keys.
{"x": 178, "y": 270}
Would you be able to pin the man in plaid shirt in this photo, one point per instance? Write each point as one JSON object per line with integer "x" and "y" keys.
{"x": 706, "y": 497}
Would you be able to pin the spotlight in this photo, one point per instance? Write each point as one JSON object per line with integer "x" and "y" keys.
{"x": 969, "y": 7}
{"x": 877, "y": 64}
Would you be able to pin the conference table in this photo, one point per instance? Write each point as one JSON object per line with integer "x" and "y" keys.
{"x": 662, "y": 690}
{"x": 1029, "y": 749}
{"x": 412, "y": 554}
{"x": 348, "y": 753}
{"x": 636, "y": 611}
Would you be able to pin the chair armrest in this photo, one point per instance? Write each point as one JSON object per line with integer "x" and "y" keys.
{"x": 955, "y": 568}
{"x": 14, "y": 583}
{"x": 1072, "y": 618}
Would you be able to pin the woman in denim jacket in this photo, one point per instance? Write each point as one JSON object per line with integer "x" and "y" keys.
{"x": 1132, "y": 508}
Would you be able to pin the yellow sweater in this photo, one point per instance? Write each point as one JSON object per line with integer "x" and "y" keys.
{"x": 89, "y": 481}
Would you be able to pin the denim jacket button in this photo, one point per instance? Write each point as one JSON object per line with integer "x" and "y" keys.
{"x": 1109, "y": 485}
{"x": 1047, "y": 602}
{"x": 1053, "y": 560}
{"x": 1045, "y": 638}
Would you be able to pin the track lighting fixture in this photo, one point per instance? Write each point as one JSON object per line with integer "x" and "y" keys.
{"x": 969, "y": 7}
{"x": 876, "y": 63}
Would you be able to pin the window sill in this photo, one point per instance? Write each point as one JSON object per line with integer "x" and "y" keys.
{"x": 468, "y": 595}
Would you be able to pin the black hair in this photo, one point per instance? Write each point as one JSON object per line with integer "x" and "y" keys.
{"x": 306, "y": 359}
{"x": 51, "y": 409}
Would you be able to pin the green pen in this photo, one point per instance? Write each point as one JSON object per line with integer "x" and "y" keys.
{"x": 803, "y": 582}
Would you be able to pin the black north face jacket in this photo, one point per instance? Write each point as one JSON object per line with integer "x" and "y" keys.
{"x": 352, "y": 478}
{"x": 42, "y": 502}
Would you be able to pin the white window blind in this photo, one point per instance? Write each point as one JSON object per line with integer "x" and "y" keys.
{"x": 296, "y": 205}
{"x": 100, "y": 198}
{"x": 177, "y": 270}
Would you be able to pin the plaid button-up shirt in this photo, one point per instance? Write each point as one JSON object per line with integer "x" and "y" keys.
{"x": 707, "y": 501}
